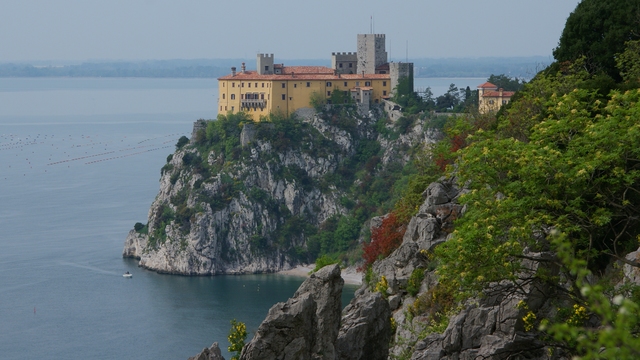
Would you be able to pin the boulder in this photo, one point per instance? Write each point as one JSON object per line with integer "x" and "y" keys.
{"x": 306, "y": 326}
{"x": 210, "y": 353}
{"x": 366, "y": 329}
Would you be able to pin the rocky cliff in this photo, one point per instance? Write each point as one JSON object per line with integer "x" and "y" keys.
{"x": 249, "y": 206}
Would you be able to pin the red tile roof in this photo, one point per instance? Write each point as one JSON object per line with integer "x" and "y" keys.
{"x": 303, "y": 73}
{"x": 487, "y": 85}
{"x": 497, "y": 94}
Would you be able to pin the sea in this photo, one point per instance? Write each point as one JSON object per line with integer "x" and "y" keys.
{"x": 80, "y": 161}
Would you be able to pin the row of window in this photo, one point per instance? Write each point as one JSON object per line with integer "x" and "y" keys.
{"x": 328, "y": 84}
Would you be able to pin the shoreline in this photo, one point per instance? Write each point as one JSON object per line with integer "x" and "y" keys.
{"x": 350, "y": 275}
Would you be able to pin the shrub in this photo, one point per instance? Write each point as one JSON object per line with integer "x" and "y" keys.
{"x": 182, "y": 142}
{"x": 384, "y": 239}
{"x": 415, "y": 281}
{"x": 237, "y": 335}
{"x": 323, "y": 261}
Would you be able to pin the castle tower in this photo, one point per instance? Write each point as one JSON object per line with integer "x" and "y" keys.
{"x": 264, "y": 64}
{"x": 344, "y": 62}
{"x": 371, "y": 52}
{"x": 398, "y": 71}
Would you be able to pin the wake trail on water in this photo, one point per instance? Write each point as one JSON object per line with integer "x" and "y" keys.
{"x": 89, "y": 267}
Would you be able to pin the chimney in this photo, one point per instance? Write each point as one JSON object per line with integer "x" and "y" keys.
{"x": 233, "y": 71}
{"x": 500, "y": 90}
{"x": 243, "y": 68}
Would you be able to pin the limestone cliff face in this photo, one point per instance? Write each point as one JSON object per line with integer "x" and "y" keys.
{"x": 247, "y": 214}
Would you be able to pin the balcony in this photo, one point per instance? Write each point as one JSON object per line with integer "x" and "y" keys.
{"x": 253, "y": 104}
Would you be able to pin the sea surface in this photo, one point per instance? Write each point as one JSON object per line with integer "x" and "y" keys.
{"x": 80, "y": 161}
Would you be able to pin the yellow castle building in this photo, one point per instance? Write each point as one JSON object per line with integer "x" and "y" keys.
{"x": 274, "y": 88}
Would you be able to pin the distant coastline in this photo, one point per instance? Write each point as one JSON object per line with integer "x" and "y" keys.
{"x": 213, "y": 68}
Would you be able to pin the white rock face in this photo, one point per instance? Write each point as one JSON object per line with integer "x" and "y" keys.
{"x": 240, "y": 216}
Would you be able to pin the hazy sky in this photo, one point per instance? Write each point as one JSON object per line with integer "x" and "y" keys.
{"x": 291, "y": 29}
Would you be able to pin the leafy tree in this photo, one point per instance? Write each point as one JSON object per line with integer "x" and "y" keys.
{"x": 448, "y": 100}
{"x": 629, "y": 61}
{"x": 574, "y": 172}
{"x": 237, "y": 336}
{"x": 182, "y": 142}
{"x": 506, "y": 82}
{"x": 597, "y": 30}
{"x": 404, "y": 96}
{"x": 384, "y": 239}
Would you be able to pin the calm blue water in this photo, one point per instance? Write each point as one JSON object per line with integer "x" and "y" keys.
{"x": 80, "y": 161}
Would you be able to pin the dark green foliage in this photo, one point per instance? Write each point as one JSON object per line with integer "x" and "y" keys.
{"x": 597, "y": 30}
{"x": 408, "y": 99}
{"x": 141, "y": 228}
{"x": 323, "y": 261}
{"x": 182, "y": 142}
{"x": 169, "y": 158}
{"x": 506, "y": 82}
{"x": 340, "y": 97}
{"x": 415, "y": 281}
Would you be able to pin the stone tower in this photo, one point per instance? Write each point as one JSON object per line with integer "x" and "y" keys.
{"x": 371, "y": 52}
{"x": 264, "y": 64}
{"x": 398, "y": 71}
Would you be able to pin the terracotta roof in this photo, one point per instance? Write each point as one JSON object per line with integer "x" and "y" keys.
{"x": 307, "y": 70}
{"x": 487, "y": 85}
{"x": 497, "y": 94}
{"x": 303, "y": 74}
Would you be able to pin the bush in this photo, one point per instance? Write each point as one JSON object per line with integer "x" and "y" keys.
{"x": 415, "y": 281}
{"x": 182, "y": 142}
{"x": 384, "y": 240}
{"x": 323, "y": 261}
{"x": 138, "y": 226}
{"x": 237, "y": 335}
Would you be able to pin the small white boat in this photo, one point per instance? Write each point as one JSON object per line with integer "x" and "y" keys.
{"x": 127, "y": 274}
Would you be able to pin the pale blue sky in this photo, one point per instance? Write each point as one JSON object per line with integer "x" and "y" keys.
{"x": 291, "y": 29}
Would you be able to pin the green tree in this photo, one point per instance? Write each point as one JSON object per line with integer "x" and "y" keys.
{"x": 237, "y": 336}
{"x": 629, "y": 61}
{"x": 597, "y": 30}
{"x": 506, "y": 82}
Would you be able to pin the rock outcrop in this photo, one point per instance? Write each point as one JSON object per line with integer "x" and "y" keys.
{"x": 366, "y": 329}
{"x": 306, "y": 326}
{"x": 243, "y": 209}
{"x": 211, "y": 353}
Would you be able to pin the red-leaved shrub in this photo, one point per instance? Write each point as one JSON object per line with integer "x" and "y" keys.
{"x": 384, "y": 239}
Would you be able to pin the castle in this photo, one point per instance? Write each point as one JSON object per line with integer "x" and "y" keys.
{"x": 274, "y": 88}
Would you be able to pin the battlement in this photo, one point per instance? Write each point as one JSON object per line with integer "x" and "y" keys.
{"x": 265, "y": 55}
{"x": 343, "y": 53}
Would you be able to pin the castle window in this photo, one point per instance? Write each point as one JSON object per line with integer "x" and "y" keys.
{"x": 367, "y": 83}
{"x": 262, "y": 96}
{"x": 357, "y": 83}
{"x": 283, "y": 85}
{"x": 233, "y": 96}
{"x": 242, "y": 96}
{"x": 266, "y": 68}
{"x": 350, "y": 65}
{"x": 233, "y": 84}
{"x": 242, "y": 85}
{"x": 220, "y": 108}
{"x": 225, "y": 108}
{"x": 308, "y": 84}
{"x": 340, "y": 65}
{"x": 284, "y": 97}
{"x": 290, "y": 98}
{"x": 328, "y": 93}
{"x": 384, "y": 92}
{"x": 384, "y": 83}
{"x": 295, "y": 85}
{"x": 223, "y": 96}
{"x": 345, "y": 84}
{"x": 256, "y": 84}
{"x": 223, "y": 84}
{"x": 491, "y": 102}
{"x": 262, "y": 84}
{"x": 233, "y": 108}
{"x": 249, "y": 84}
{"x": 328, "y": 83}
